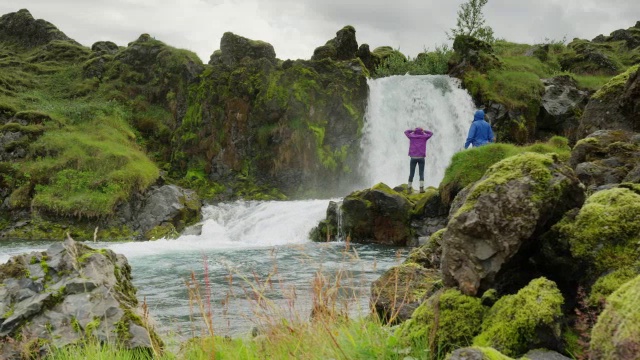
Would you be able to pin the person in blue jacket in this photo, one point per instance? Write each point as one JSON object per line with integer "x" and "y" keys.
{"x": 480, "y": 132}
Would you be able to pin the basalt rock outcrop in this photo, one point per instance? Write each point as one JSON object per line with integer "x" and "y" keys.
{"x": 517, "y": 200}
{"x": 68, "y": 294}
{"x": 562, "y": 105}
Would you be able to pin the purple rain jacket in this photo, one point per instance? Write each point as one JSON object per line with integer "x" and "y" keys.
{"x": 418, "y": 142}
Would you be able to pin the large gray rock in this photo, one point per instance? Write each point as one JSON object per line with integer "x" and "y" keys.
{"x": 165, "y": 210}
{"x": 561, "y": 104}
{"x": 516, "y": 200}
{"x": 234, "y": 48}
{"x": 67, "y": 294}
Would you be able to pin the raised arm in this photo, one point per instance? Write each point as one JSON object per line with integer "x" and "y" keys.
{"x": 407, "y": 133}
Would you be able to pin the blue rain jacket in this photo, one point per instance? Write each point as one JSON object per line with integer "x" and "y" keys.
{"x": 480, "y": 132}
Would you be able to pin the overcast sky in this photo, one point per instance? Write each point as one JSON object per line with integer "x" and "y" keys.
{"x": 296, "y": 27}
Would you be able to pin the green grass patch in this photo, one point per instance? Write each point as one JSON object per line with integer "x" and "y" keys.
{"x": 88, "y": 170}
{"x": 470, "y": 165}
{"x": 616, "y": 84}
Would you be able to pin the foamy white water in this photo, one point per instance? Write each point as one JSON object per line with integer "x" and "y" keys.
{"x": 238, "y": 225}
{"x": 398, "y": 103}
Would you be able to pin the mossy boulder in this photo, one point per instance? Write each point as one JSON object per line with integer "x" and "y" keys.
{"x": 446, "y": 321}
{"x": 20, "y": 28}
{"x": 401, "y": 289}
{"x": 471, "y": 54}
{"x": 104, "y": 48}
{"x": 585, "y": 57}
{"x": 616, "y": 334}
{"x": 234, "y": 48}
{"x": 67, "y": 295}
{"x": 377, "y": 215}
{"x": 607, "y": 157}
{"x": 517, "y": 200}
{"x": 614, "y": 106}
{"x": 605, "y": 232}
{"x": 528, "y": 320}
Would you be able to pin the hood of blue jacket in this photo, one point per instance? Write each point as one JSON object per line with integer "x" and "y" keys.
{"x": 479, "y": 115}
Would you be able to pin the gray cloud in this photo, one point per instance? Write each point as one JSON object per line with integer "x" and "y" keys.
{"x": 296, "y": 27}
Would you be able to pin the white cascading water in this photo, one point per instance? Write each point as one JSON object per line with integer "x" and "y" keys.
{"x": 397, "y": 103}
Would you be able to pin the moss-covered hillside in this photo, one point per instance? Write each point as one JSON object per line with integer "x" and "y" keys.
{"x": 85, "y": 130}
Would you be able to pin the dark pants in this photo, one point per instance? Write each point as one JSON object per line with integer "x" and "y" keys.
{"x": 412, "y": 168}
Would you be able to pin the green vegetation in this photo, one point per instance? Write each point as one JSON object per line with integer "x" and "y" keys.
{"x": 615, "y": 85}
{"x": 606, "y": 231}
{"x": 608, "y": 284}
{"x": 426, "y": 63}
{"x": 618, "y": 328}
{"x": 470, "y": 165}
{"x": 513, "y": 323}
{"x": 445, "y": 322}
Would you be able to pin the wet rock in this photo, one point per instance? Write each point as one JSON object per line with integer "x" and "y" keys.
{"x": 168, "y": 208}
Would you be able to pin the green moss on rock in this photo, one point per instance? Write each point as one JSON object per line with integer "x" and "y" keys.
{"x": 606, "y": 230}
{"x": 527, "y": 320}
{"x": 608, "y": 284}
{"x": 616, "y": 334}
{"x": 616, "y": 85}
{"x": 448, "y": 320}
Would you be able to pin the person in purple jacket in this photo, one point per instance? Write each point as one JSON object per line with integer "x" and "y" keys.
{"x": 417, "y": 151}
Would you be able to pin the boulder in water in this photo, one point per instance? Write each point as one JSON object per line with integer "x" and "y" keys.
{"x": 68, "y": 294}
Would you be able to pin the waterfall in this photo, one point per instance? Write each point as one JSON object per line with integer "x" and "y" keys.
{"x": 398, "y": 103}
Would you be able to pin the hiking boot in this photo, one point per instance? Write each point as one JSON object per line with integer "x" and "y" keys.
{"x": 421, "y": 189}
{"x": 409, "y": 190}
